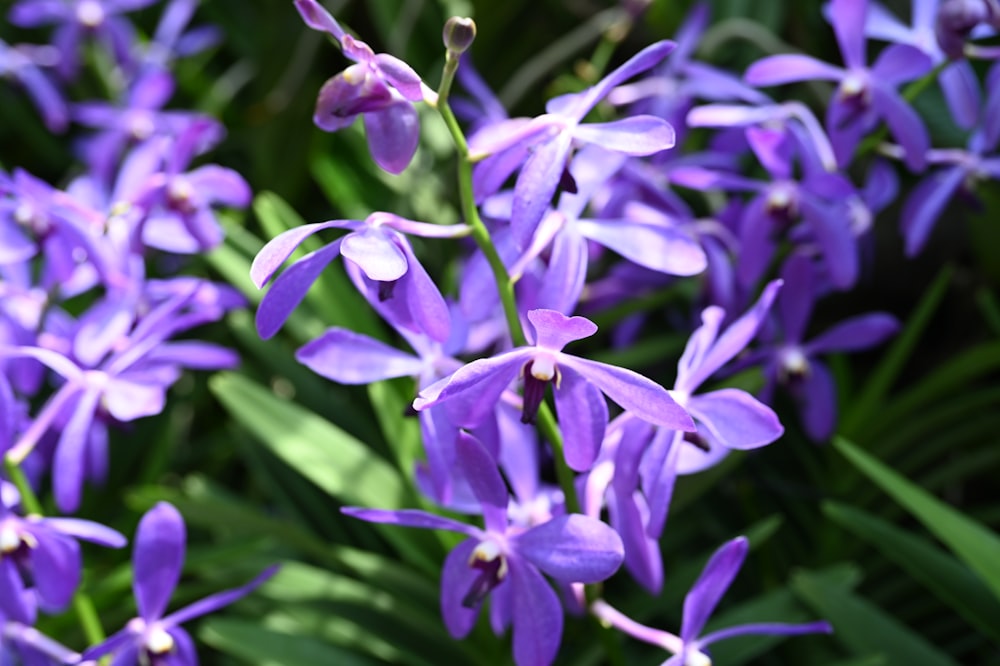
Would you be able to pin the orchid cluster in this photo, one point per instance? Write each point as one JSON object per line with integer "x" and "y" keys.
{"x": 554, "y": 460}
{"x": 95, "y": 316}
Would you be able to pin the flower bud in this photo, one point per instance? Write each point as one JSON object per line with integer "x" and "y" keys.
{"x": 458, "y": 34}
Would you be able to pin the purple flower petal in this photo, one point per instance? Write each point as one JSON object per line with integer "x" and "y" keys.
{"x": 536, "y": 184}
{"x": 817, "y": 397}
{"x": 411, "y": 518}
{"x": 904, "y": 125}
{"x": 130, "y": 400}
{"x": 538, "y": 616}
{"x": 317, "y": 18}
{"x": 854, "y": 334}
{"x": 393, "y": 134}
{"x": 572, "y": 549}
{"x": 713, "y": 582}
{"x": 767, "y": 629}
{"x": 900, "y": 63}
{"x": 218, "y": 600}
{"x": 788, "y": 68}
{"x": 401, "y": 76}
{"x": 736, "y": 419}
{"x": 374, "y": 251}
{"x": 157, "y": 558}
{"x": 87, "y": 530}
{"x": 352, "y": 358}
{"x": 638, "y": 135}
{"x": 660, "y": 249}
{"x": 427, "y": 309}
{"x": 457, "y": 578}
{"x": 583, "y": 415}
{"x": 279, "y": 248}
{"x": 56, "y": 564}
{"x": 797, "y": 296}
{"x": 70, "y": 459}
{"x": 961, "y": 91}
{"x": 471, "y": 392}
{"x": 633, "y": 392}
{"x": 480, "y": 470}
{"x": 220, "y": 185}
{"x": 554, "y": 330}
{"x": 848, "y": 20}
{"x": 291, "y": 287}
{"x": 925, "y": 203}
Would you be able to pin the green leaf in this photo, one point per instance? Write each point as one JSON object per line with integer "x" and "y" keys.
{"x": 951, "y": 582}
{"x": 973, "y": 543}
{"x": 262, "y": 646}
{"x": 863, "y": 627}
{"x": 331, "y": 458}
{"x": 869, "y": 401}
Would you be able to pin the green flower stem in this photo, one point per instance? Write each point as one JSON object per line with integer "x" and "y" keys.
{"x": 505, "y": 285}
{"x": 82, "y": 604}
{"x": 28, "y": 498}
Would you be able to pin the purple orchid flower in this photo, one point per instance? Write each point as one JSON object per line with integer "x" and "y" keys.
{"x": 152, "y": 638}
{"x": 957, "y": 20}
{"x": 77, "y": 18}
{"x": 171, "y": 39}
{"x": 957, "y": 79}
{"x": 48, "y": 548}
{"x": 377, "y": 246}
{"x": 21, "y": 63}
{"x": 818, "y": 198}
{"x": 689, "y": 648}
{"x": 506, "y": 561}
{"x": 543, "y": 144}
{"x": 864, "y": 95}
{"x": 115, "y": 366}
{"x": 960, "y": 172}
{"x": 471, "y": 392}
{"x": 380, "y": 88}
{"x": 794, "y": 363}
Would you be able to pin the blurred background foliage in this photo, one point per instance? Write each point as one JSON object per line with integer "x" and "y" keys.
{"x": 900, "y": 555}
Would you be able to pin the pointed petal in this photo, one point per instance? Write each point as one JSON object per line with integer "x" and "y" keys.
{"x": 56, "y": 564}
{"x": 638, "y": 135}
{"x": 410, "y": 518}
{"x": 538, "y": 616}
{"x": 961, "y": 91}
{"x": 767, "y": 629}
{"x": 157, "y": 558}
{"x": 471, "y": 392}
{"x": 317, "y": 18}
{"x": 787, "y": 68}
{"x": 352, "y": 358}
{"x": 216, "y": 601}
{"x": 662, "y": 249}
{"x": 633, "y": 392}
{"x": 736, "y": 419}
{"x": 536, "y": 184}
{"x": 583, "y": 415}
{"x": 713, "y": 582}
{"x": 900, "y": 63}
{"x": 848, "y": 20}
{"x": 817, "y": 399}
{"x": 279, "y": 248}
{"x": 580, "y": 104}
{"x": 401, "y": 76}
{"x": 797, "y": 296}
{"x": 925, "y": 203}
{"x": 457, "y": 577}
{"x": 69, "y": 465}
{"x": 480, "y": 470}
{"x": 857, "y": 333}
{"x": 904, "y": 124}
{"x": 832, "y": 230}
{"x": 87, "y": 530}
{"x": 424, "y": 302}
{"x": 291, "y": 287}
{"x": 572, "y": 549}
{"x": 220, "y": 185}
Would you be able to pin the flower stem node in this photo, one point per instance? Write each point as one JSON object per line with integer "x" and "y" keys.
{"x": 458, "y": 34}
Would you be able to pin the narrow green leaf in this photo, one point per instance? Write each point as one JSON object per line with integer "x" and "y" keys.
{"x": 869, "y": 401}
{"x": 974, "y": 544}
{"x": 262, "y": 646}
{"x": 331, "y": 458}
{"x": 863, "y": 627}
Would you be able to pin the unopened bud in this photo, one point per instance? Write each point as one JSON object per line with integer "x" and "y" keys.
{"x": 459, "y": 34}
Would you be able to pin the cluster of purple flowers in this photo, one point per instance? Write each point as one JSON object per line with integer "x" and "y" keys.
{"x": 545, "y": 199}
{"x": 92, "y": 328}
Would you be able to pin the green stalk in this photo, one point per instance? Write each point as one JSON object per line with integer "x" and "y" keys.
{"x": 505, "y": 285}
